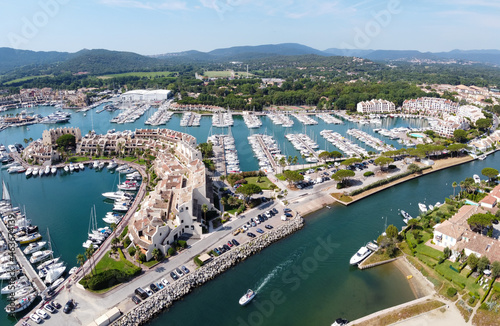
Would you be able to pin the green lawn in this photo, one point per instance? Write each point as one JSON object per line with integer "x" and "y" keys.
{"x": 148, "y": 74}
{"x": 25, "y": 79}
{"x": 110, "y": 263}
{"x": 78, "y": 159}
{"x": 264, "y": 184}
{"x": 428, "y": 251}
{"x": 150, "y": 263}
{"x": 224, "y": 74}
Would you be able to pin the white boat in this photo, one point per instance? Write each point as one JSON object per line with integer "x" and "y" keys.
{"x": 29, "y": 238}
{"x": 22, "y": 282}
{"x": 54, "y": 274}
{"x": 47, "y": 170}
{"x": 244, "y": 300}
{"x": 9, "y": 275}
{"x": 112, "y": 165}
{"x": 40, "y": 255}
{"x": 35, "y": 171}
{"x": 100, "y": 165}
{"x": 53, "y": 170}
{"x": 114, "y": 219}
{"x": 34, "y": 246}
{"x": 43, "y": 272}
{"x": 359, "y": 256}
{"x": 422, "y": 208}
{"x": 66, "y": 168}
{"x": 95, "y": 165}
{"x": 20, "y": 304}
{"x": 406, "y": 215}
{"x": 340, "y": 322}
{"x": 116, "y": 195}
{"x": 28, "y": 172}
{"x": 482, "y": 157}
{"x": 57, "y": 283}
{"x": 22, "y": 292}
{"x": 48, "y": 263}
{"x": 73, "y": 270}
{"x": 81, "y": 166}
{"x": 476, "y": 178}
{"x": 71, "y": 167}
{"x": 9, "y": 267}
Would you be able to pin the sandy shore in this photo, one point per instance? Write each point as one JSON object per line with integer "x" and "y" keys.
{"x": 420, "y": 286}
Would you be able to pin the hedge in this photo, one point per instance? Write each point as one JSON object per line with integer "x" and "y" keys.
{"x": 124, "y": 232}
{"x": 110, "y": 278}
{"x": 488, "y": 291}
{"x": 385, "y": 181}
{"x": 197, "y": 260}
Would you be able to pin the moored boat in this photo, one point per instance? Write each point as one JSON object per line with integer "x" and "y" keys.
{"x": 33, "y": 247}
{"x": 422, "y": 208}
{"x": 20, "y": 304}
{"x": 38, "y": 256}
{"x": 29, "y": 238}
{"x": 360, "y": 255}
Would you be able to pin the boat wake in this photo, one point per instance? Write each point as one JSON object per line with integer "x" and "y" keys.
{"x": 278, "y": 269}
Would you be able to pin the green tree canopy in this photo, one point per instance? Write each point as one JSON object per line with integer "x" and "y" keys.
{"x": 480, "y": 221}
{"x": 292, "y": 176}
{"x": 248, "y": 190}
{"x": 66, "y": 141}
{"x": 495, "y": 269}
{"x": 351, "y": 160}
{"x": 489, "y": 172}
{"x": 343, "y": 175}
{"x": 482, "y": 264}
{"x": 206, "y": 150}
{"x": 483, "y": 124}
{"x": 383, "y": 161}
{"x": 472, "y": 261}
{"x": 413, "y": 168}
{"x": 460, "y": 136}
{"x": 391, "y": 232}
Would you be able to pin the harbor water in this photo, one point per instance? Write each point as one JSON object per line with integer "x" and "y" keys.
{"x": 295, "y": 284}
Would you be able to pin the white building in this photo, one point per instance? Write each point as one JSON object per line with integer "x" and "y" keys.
{"x": 146, "y": 96}
{"x": 376, "y": 106}
{"x": 430, "y": 106}
{"x": 446, "y": 127}
{"x": 472, "y": 112}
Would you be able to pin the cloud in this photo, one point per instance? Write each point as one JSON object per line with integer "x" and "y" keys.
{"x": 170, "y": 5}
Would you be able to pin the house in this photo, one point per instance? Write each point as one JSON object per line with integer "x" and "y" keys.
{"x": 450, "y": 231}
{"x": 488, "y": 202}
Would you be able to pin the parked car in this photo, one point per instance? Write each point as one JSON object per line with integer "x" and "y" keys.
{"x": 229, "y": 243}
{"x": 226, "y": 247}
{"x": 253, "y": 224}
{"x": 216, "y": 250}
{"x": 259, "y": 230}
{"x": 153, "y": 287}
{"x": 174, "y": 276}
{"x": 184, "y": 269}
{"x": 165, "y": 282}
{"x": 69, "y": 306}
{"x": 149, "y": 292}
{"x": 36, "y": 318}
{"x": 141, "y": 293}
{"x": 49, "y": 308}
{"x": 275, "y": 211}
{"x": 136, "y": 300}
{"x": 236, "y": 243}
{"x": 56, "y": 304}
{"x": 250, "y": 234}
{"x": 178, "y": 272}
{"x": 269, "y": 227}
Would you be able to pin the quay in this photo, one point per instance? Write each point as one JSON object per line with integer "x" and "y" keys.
{"x": 270, "y": 158}
{"x": 306, "y": 145}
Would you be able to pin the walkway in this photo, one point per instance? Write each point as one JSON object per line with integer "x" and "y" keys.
{"x": 266, "y": 151}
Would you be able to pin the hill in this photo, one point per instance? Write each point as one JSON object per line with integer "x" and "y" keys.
{"x": 12, "y": 58}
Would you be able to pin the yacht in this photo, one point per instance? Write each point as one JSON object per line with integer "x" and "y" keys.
{"x": 476, "y": 178}
{"x": 406, "y": 215}
{"x": 114, "y": 195}
{"x": 110, "y": 219}
{"x": 422, "y": 208}
{"x": 29, "y": 172}
{"x": 53, "y": 170}
{"x": 22, "y": 282}
{"x": 112, "y": 165}
{"x": 41, "y": 171}
{"x": 482, "y": 157}
{"x": 33, "y": 247}
{"x": 54, "y": 274}
{"x": 81, "y": 166}
{"x": 66, "y": 168}
{"x": 38, "y": 256}
{"x": 359, "y": 256}
{"x": 29, "y": 238}
{"x": 20, "y": 304}
{"x": 43, "y": 272}
{"x": 35, "y": 172}
{"x": 47, "y": 170}
{"x": 48, "y": 263}
{"x": 95, "y": 165}
{"x": 244, "y": 300}
{"x": 21, "y": 293}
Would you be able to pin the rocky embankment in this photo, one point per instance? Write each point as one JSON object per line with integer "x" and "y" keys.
{"x": 165, "y": 297}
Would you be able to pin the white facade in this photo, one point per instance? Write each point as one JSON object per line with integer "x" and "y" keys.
{"x": 430, "y": 106}
{"x": 472, "y": 112}
{"x": 145, "y": 95}
{"x": 376, "y": 106}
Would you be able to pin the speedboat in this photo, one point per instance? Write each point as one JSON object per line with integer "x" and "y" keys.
{"x": 95, "y": 165}
{"x": 116, "y": 195}
{"x": 35, "y": 172}
{"x": 406, "y": 215}
{"x": 40, "y": 255}
{"x": 47, "y": 170}
{"x": 422, "y": 208}
{"x": 244, "y": 300}
{"x": 8, "y": 275}
{"x": 476, "y": 178}
{"x": 71, "y": 167}
{"x": 66, "y": 168}
{"x": 100, "y": 165}
{"x": 54, "y": 274}
{"x": 81, "y": 166}
{"x": 73, "y": 270}
{"x": 33, "y": 247}
{"x": 359, "y": 256}
{"x": 112, "y": 165}
{"x": 53, "y": 170}
{"x": 29, "y": 238}
{"x": 28, "y": 172}
{"x": 20, "y": 304}
{"x": 43, "y": 272}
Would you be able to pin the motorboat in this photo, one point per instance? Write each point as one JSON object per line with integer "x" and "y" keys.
{"x": 54, "y": 274}
{"x": 22, "y": 292}
{"x": 73, "y": 270}
{"x": 38, "y": 256}
{"x": 81, "y": 166}
{"x": 112, "y": 219}
{"x": 340, "y": 322}
{"x": 8, "y": 275}
{"x": 22, "y": 282}
{"x": 422, "y": 208}
{"x": 360, "y": 255}
{"x": 476, "y": 178}
{"x": 35, "y": 172}
{"x": 95, "y": 164}
{"x": 41, "y": 171}
{"x": 43, "y": 272}
{"x": 100, "y": 165}
{"x": 134, "y": 176}
{"x": 47, "y": 170}
{"x": 29, "y": 172}
{"x": 66, "y": 168}
{"x": 406, "y": 216}
{"x": 71, "y": 167}
{"x": 33, "y": 247}
{"x": 116, "y": 195}
{"x": 48, "y": 263}
{"x": 112, "y": 165}
{"x": 9, "y": 267}
{"x": 20, "y": 304}
{"x": 29, "y": 238}
{"x": 245, "y": 299}
{"x": 53, "y": 170}
{"x": 57, "y": 283}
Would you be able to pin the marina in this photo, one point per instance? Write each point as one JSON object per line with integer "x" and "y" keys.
{"x": 190, "y": 119}
{"x": 222, "y": 119}
{"x": 281, "y": 119}
{"x": 305, "y": 119}
{"x": 160, "y": 116}
{"x": 252, "y": 120}
{"x": 344, "y": 145}
{"x": 130, "y": 114}
{"x": 305, "y": 145}
{"x": 328, "y": 118}
{"x": 369, "y": 140}
{"x": 226, "y": 153}
{"x": 266, "y": 150}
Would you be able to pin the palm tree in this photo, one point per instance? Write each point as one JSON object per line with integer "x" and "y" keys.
{"x": 114, "y": 243}
{"x": 80, "y": 259}
{"x": 295, "y": 159}
{"x": 204, "y": 209}
{"x": 156, "y": 254}
{"x": 454, "y": 185}
{"x": 88, "y": 253}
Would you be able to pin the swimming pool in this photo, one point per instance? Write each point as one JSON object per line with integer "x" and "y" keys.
{"x": 417, "y": 135}
{"x": 468, "y": 202}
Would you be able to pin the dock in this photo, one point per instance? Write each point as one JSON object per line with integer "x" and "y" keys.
{"x": 266, "y": 151}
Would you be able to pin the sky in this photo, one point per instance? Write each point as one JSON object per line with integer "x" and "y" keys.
{"x": 162, "y": 26}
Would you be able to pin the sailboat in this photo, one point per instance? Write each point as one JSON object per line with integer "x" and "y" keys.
{"x": 55, "y": 270}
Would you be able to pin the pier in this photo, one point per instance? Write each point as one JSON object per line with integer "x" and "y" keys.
{"x": 266, "y": 151}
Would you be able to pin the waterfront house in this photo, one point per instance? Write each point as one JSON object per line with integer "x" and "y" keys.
{"x": 376, "y": 107}
{"x": 488, "y": 202}
{"x": 450, "y": 231}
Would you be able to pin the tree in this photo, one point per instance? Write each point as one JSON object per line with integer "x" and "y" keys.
{"x": 248, "y": 190}
{"x": 156, "y": 254}
{"x": 66, "y": 141}
{"x": 324, "y": 155}
{"x": 491, "y": 173}
{"x": 391, "y": 250}
{"x": 204, "y": 209}
{"x": 383, "y": 161}
{"x": 80, "y": 259}
{"x": 88, "y": 254}
{"x": 482, "y": 264}
{"x": 447, "y": 252}
{"x": 454, "y": 185}
{"x": 335, "y": 154}
{"x": 460, "y": 136}
{"x": 472, "y": 261}
{"x": 343, "y": 176}
{"x": 483, "y": 124}
{"x": 479, "y": 221}
{"x": 391, "y": 232}
{"x": 495, "y": 269}
{"x": 351, "y": 161}
{"x": 292, "y": 176}
{"x": 412, "y": 223}
{"x": 413, "y": 168}
{"x": 206, "y": 150}
{"x": 114, "y": 243}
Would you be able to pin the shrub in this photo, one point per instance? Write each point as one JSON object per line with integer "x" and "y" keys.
{"x": 132, "y": 251}
{"x": 171, "y": 251}
{"x": 368, "y": 174}
{"x": 124, "y": 232}
{"x": 451, "y": 292}
{"x": 126, "y": 242}
{"x": 142, "y": 257}
{"x": 197, "y": 261}
{"x": 182, "y": 243}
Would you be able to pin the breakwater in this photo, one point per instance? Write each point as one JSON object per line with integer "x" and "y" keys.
{"x": 165, "y": 297}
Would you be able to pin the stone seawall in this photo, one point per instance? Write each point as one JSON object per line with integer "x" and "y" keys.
{"x": 164, "y": 298}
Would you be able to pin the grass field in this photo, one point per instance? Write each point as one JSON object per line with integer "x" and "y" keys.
{"x": 110, "y": 263}
{"x": 264, "y": 184}
{"x": 25, "y": 79}
{"x": 148, "y": 74}
{"x": 224, "y": 74}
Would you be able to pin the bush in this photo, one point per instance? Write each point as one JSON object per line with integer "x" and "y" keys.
{"x": 126, "y": 242}
{"x": 132, "y": 251}
{"x": 368, "y": 174}
{"x": 124, "y": 232}
{"x": 171, "y": 251}
{"x": 182, "y": 243}
{"x": 197, "y": 261}
{"x": 451, "y": 292}
{"x": 142, "y": 257}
